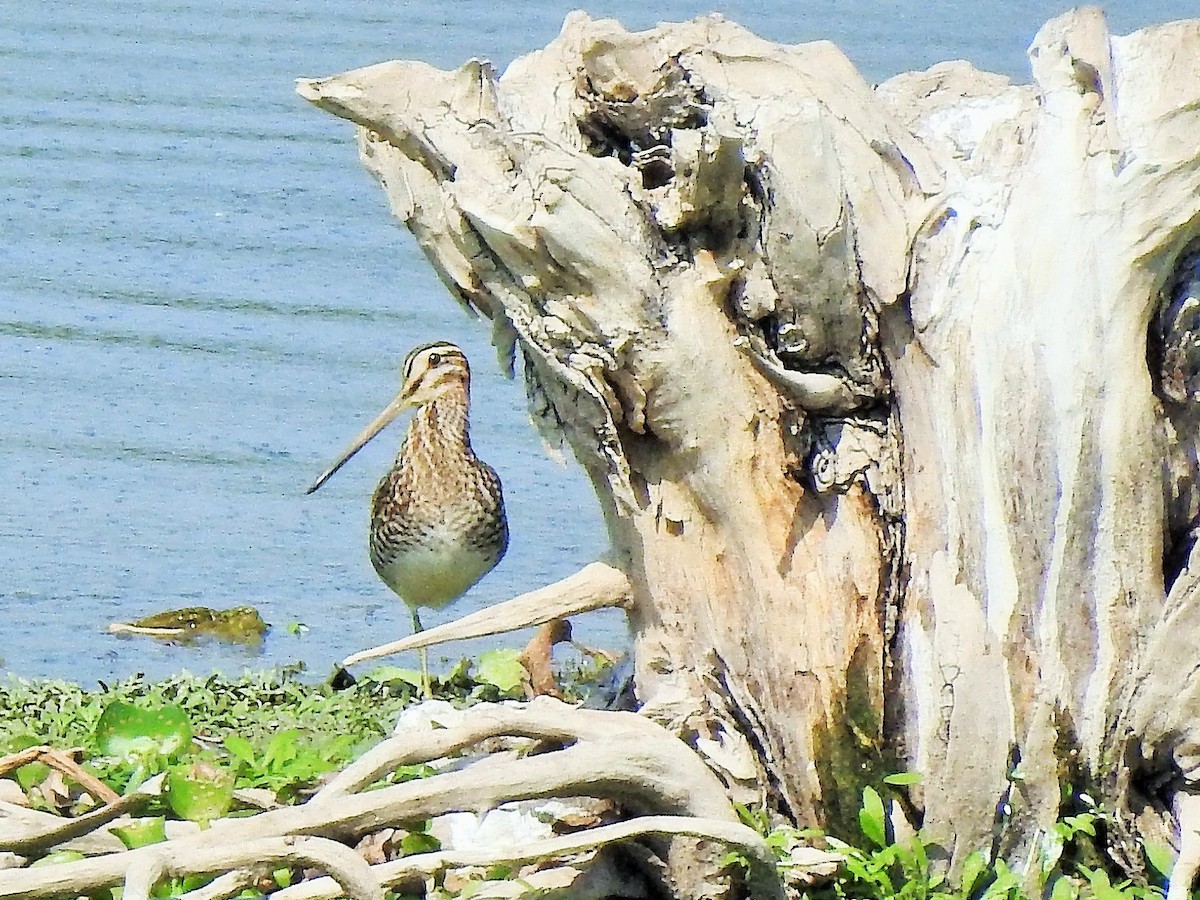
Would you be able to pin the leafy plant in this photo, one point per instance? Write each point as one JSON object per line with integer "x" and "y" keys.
{"x": 200, "y": 791}
{"x": 886, "y": 869}
{"x": 502, "y": 669}
{"x": 289, "y": 761}
{"x": 141, "y": 741}
{"x": 30, "y": 774}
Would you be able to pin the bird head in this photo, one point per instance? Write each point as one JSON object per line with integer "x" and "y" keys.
{"x": 430, "y": 371}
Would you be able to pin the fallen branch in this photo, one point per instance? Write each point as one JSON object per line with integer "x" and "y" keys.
{"x": 28, "y": 831}
{"x": 545, "y": 719}
{"x": 140, "y": 869}
{"x": 595, "y": 586}
{"x": 57, "y": 759}
{"x": 762, "y": 879}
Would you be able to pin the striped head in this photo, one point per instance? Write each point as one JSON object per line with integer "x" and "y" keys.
{"x": 433, "y": 370}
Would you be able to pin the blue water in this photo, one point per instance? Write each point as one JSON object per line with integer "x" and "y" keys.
{"x": 203, "y": 297}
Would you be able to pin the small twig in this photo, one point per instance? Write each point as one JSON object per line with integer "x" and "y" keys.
{"x": 57, "y": 759}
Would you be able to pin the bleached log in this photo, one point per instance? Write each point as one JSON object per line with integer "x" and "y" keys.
{"x": 861, "y": 378}
{"x": 638, "y": 773}
{"x": 598, "y": 585}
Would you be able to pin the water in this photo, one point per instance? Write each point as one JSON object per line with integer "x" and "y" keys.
{"x": 202, "y": 298}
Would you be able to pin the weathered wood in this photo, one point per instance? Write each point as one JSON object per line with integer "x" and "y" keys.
{"x": 860, "y": 377}
{"x": 595, "y": 586}
{"x": 617, "y": 756}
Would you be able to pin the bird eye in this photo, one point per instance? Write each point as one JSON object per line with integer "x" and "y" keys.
{"x": 435, "y": 359}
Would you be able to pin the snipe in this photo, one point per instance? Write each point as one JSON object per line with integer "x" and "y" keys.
{"x": 437, "y": 516}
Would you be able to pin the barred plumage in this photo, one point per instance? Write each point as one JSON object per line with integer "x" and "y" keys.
{"x": 437, "y": 516}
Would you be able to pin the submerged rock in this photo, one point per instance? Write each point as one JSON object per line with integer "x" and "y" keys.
{"x": 239, "y": 625}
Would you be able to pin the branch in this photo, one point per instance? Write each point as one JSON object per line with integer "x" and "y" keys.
{"x": 349, "y": 872}
{"x": 143, "y": 867}
{"x": 543, "y": 718}
{"x": 595, "y": 586}
{"x": 27, "y": 831}
{"x": 56, "y": 759}
{"x": 763, "y": 880}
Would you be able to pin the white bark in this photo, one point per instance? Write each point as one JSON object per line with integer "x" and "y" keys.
{"x": 861, "y": 379}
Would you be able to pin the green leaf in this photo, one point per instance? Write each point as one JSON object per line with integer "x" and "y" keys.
{"x": 1160, "y": 857}
{"x": 419, "y": 842}
{"x": 282, "y": 748}
{"x": 1084, "y": 822}
{"x": 973, "y": 866}
{"x": 871, "y": 817}
{"x": 900, "y": 779}
{"x": 753, "y": 817}
{"x": 199, "y": 791}
{"x": 1006, "y": 882}
{"x": 129, "y": 732}
{"x": 1064, "y": 889}
{"x": 239, "y": 748}
{"x": 141, "y": 832}
{"x": 502, "y": 669}
{"x": 1102, "y": 888}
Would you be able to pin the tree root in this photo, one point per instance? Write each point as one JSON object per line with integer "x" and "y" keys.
{"x": 762, "y": 880}
{"x": 586, "y": 753}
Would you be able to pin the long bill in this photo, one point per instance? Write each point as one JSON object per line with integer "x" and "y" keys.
{"x": 380, "y": 422}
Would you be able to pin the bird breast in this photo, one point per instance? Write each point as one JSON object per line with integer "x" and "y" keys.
{"x": 434, "y": 571}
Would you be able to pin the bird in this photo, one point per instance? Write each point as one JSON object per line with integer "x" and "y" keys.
{"x": 438, "y": 523}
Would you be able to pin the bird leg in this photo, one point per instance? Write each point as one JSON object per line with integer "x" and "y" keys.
{"x": 426, "y": 691}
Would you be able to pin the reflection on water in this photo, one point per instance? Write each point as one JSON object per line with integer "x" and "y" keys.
{"x": 202, "y": 298}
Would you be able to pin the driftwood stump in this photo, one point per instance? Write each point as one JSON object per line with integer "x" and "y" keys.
{"x": 886, "y": 392}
